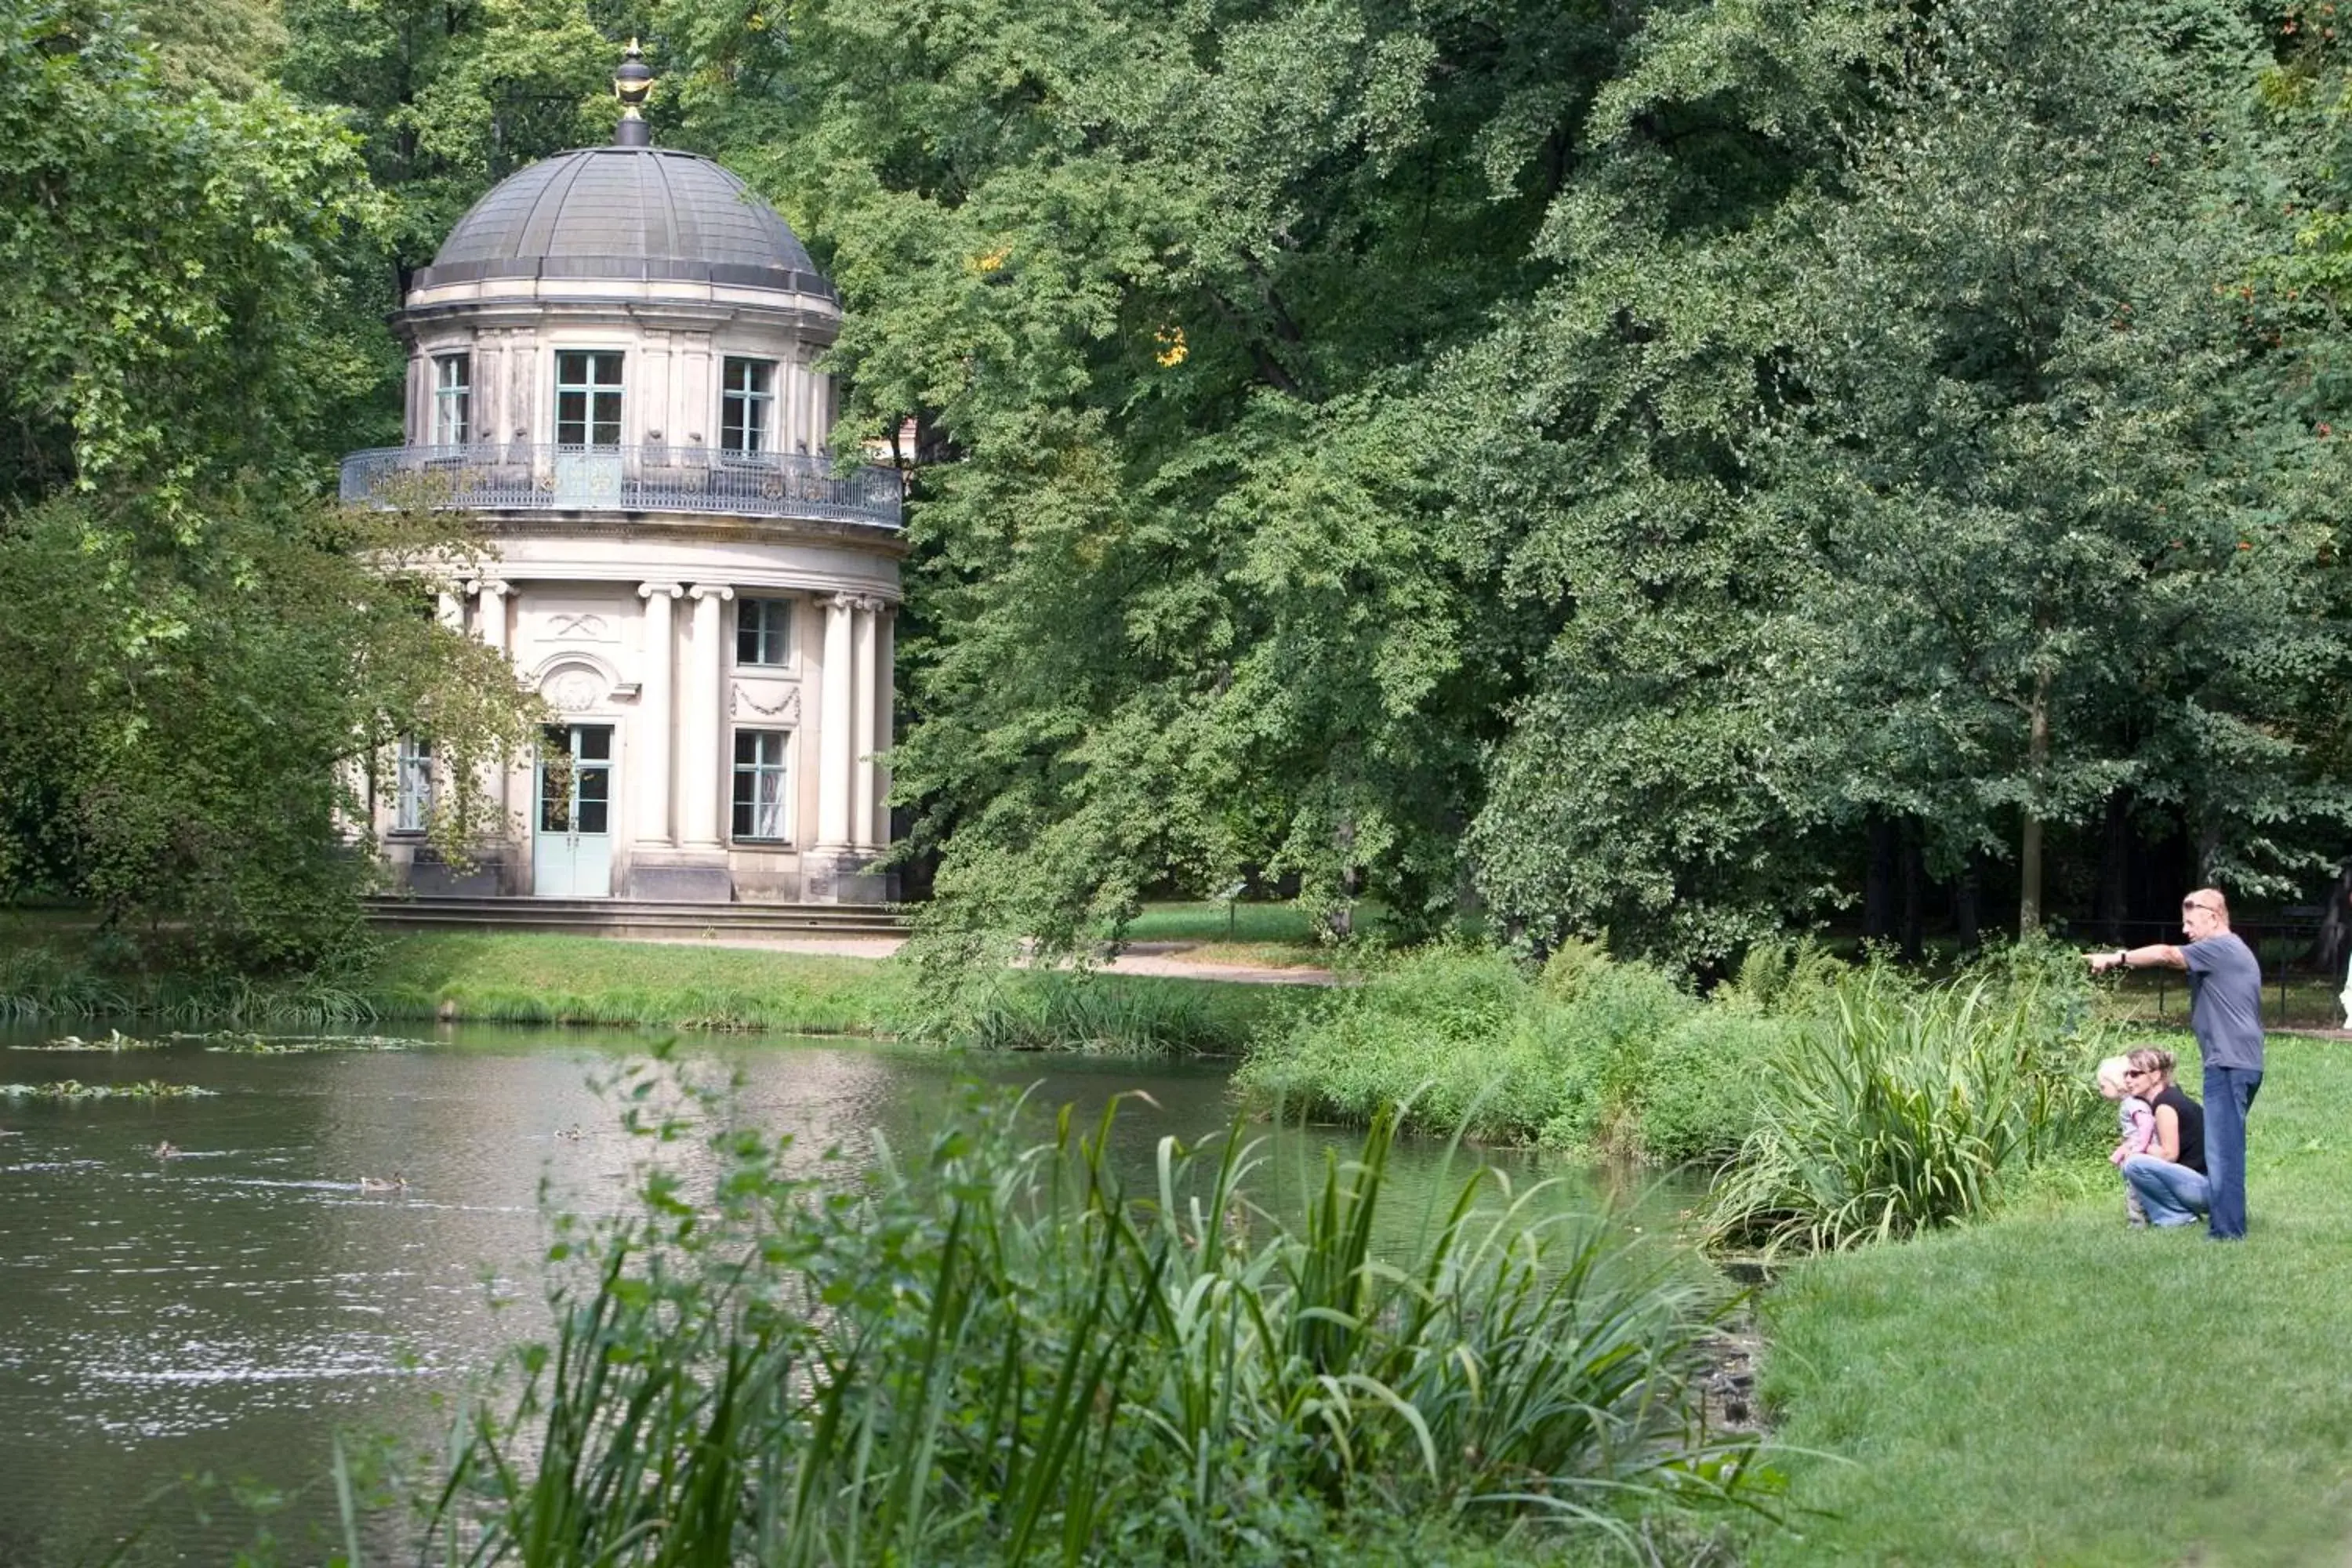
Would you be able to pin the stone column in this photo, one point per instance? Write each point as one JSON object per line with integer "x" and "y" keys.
{"x": 837, "y": 728}
{"x": 449, "y": 609}
{"x": 886, "y": 701}
{"x": 697, "y": 737}
{"x": 657, "y": 745}
{"x": 862, "y": 795}
{"x": 490, "y": 625}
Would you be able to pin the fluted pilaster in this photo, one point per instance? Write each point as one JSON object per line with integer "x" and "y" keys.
{"x": 656, "y": 705}
{"x": 862, "y": 795}
{"x": 490, "y": 625}
{"x": 886, "y": 701}
{"x": 699, "y": 721}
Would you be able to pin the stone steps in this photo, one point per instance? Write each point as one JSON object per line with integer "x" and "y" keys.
{"x": 634, "y": 917}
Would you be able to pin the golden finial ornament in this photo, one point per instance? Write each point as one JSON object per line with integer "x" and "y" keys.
{"x": 632, "y": 84}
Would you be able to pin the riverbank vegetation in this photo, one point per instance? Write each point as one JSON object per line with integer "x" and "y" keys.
{"x": 1953, "y": 1399}
{"x": 506, "y": 978}
{"x": 1831, "y": 1103}
{"x": 989, "y": 1351}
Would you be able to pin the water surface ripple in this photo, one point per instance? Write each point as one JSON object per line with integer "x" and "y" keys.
{"x": 224, "y": 1312}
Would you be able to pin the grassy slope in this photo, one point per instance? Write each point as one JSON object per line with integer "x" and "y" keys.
{"x": 515, "y": 978}
{"x": 2054, "y": 1388}
{"x": 589, "y": 979}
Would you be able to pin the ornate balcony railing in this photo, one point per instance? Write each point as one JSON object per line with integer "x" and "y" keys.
{"x": 521, "y": 477}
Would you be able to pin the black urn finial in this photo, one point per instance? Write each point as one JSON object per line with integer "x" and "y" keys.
{"x": 632, "y": 84}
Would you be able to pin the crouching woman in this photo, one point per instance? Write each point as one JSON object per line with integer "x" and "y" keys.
{"x": 2170, "y": 1179}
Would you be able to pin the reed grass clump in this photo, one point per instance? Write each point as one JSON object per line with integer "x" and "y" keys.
{"x": 1588, "y": 1054}
{"x": 1086, "y": 1015}
{"x": 992, "y": 1351}
{"x": 37, "y": 981}
{"x": 1903, "y": 1107}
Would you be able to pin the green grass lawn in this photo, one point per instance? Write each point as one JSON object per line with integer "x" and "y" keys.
{"x": 524, "y": 978}
{"x": 501, "y": 977}
{"x": 1262, "y": 935}
{"x": 537, "y": 978}
{"x": 2051, "y": 1387}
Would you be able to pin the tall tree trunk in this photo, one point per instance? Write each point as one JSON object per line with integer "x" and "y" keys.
{"x": 1878, "y": 878}
{"x": 2327, "y": 950}
{"x": 1343, "y": 839}
{"x": 2029, "y": 848}
{"x": 2114, "y": 869}
{"x": 1915, "y": 881}
{"x": 1966, "y": 916}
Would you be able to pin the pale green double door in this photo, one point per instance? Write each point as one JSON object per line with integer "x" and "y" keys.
{"x": 572, "y": 837}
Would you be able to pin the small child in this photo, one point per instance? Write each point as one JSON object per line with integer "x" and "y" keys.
{"x": 2135, "y": 1124}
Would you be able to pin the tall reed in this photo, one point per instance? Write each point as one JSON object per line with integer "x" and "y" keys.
{"x": 993, "y": 1352}
{"x": 37, "y": 983}
{"x": 1901, "y": 1108}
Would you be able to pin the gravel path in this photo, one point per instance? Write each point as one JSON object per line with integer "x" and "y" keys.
{"x": 1163, "y": 959}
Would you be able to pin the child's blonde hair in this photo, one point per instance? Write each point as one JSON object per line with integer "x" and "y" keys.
{"x": 2111, "y": 1075}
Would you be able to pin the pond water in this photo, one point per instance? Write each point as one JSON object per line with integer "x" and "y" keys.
{"x": 225, "y": 1311}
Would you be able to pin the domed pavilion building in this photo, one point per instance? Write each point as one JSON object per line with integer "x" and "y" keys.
{"x": 613, "y": 367}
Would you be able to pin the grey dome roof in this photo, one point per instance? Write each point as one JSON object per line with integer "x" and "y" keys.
{"x": 625, "y": 212}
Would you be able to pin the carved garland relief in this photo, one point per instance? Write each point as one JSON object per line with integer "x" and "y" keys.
{"x": 782, "y": 708}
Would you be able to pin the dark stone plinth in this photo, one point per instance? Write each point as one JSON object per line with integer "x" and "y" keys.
{"x": 681, "y": 884}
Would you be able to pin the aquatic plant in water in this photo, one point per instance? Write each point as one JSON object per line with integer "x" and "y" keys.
{"x": 250, "y": 1044}
{"x": 116, "y": 1040}
{"x": 994, "y": 1351}
{"x": 73, "y": 1090}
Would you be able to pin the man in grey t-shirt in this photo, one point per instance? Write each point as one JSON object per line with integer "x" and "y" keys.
{"x": 2225, "y": 1013}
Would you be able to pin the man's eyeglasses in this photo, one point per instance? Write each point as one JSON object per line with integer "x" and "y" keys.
{"x": 2188, "y": 904}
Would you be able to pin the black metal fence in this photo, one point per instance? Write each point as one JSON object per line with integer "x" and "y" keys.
{"x": 2288, "y": 946}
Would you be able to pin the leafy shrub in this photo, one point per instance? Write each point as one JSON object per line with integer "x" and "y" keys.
{"x": 1464, "y": 1039}
{"x": 1784, "y": 977}
{"x": 1081, "y": 1013}
{"x": 1901, "y": 1110}
{"x": 1595, "y": 1054}
{"x": 1697, "y": 1098}
{"x": 994, "y": 1353}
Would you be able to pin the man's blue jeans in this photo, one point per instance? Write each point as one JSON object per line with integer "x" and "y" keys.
{"x": 2228, "y": 1095}
{"x": 2172, "y": 1194}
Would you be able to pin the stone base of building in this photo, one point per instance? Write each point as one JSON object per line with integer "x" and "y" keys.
{"x": 685, "y": 879}
{"x": 845, "y": 877}
{"x": 419, "y": 867}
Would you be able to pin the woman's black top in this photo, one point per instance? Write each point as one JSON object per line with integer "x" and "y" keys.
{"x": 2192, "y": 1126}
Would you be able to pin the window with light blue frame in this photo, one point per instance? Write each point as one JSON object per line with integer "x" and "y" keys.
{"x": 747, "y": 408}
{"x": 587, "y": 398}
{"x": 763, "y": 631}
{"x": 412, "y": 799}
{"x": 760, "y": 772}
{"x": 453, "y": 399}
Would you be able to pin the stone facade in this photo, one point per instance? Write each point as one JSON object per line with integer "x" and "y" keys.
{"x": 705, "y": 602}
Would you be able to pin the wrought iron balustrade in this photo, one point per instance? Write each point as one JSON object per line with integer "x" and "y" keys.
{"x": 537, "y": 477}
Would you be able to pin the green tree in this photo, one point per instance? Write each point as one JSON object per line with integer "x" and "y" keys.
{"x": 450, "y": 96}
{"x": 2046, "y": 474}
{"x": 1165, "y": 283}
{"x": 219, "y": 655}
{"x": 1668, "y": 775}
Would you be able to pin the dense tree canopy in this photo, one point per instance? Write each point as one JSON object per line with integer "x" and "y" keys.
{"x": 1671, "y": 468}
{"x": 1599, "y": 461}
{"x": 207, "y": 656}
